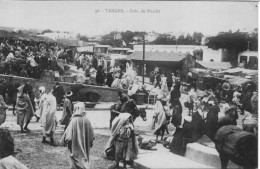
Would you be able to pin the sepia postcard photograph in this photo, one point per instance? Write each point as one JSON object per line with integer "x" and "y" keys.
{"x": 129, "y": 84}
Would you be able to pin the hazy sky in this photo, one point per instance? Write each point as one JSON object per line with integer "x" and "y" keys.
{"x": 206, "y": 17}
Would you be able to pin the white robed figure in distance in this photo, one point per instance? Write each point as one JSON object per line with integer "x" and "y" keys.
{"x": 48, "y": 118}
{"x": 42, "y": 100}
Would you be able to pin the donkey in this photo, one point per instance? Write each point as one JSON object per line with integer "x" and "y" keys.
{"x": 232, "y": 143}
{"x": 128, "y": 107}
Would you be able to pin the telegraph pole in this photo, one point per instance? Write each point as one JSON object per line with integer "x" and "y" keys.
{"x": 143, "y": 55}
{"x": 248, "y": 45}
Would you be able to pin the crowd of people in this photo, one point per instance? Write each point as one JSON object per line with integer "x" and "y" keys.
{"x": 201, "y": 116}
{"x": 31, "y": 58}
{"x": 28, "y": 58}
{"x": 78, "y": 133}
{"x": 204, "y": 112}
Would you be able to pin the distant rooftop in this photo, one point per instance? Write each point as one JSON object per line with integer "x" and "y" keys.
{"x": 157, "y": 56}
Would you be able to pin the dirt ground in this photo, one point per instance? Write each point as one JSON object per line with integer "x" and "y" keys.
{"x": 35, "y": 155}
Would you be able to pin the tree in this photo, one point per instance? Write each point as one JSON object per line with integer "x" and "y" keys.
{"x": 47, "y": 31}
{"x": 166, "y": 39}
{"x": 234, "y": 42}
{"x": 197, "y": 37}
{"x": 181, "y": 40}
{"x": 108, "y": 39}
{"x": 83, "y": 38}
{"x": 137, "y": 33}
{"x": 253, "y": 39}
{"x": 127, "y": 36}
{"x": 20, "y": 32}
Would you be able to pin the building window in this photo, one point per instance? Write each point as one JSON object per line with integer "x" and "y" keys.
{"x": 252, "y": 63}
{"x": 253, "y": 59}
{"x": 243, "y": 59}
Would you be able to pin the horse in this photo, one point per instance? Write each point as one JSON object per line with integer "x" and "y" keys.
{"x": 128, "y": 107}
{"x": 232, "y": 143}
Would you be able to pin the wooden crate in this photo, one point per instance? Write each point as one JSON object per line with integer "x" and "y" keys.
{"x": 69, "y": 79}
{"x": 140, "y": 98}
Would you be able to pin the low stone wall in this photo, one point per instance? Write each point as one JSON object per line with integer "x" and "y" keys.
{"x": 107, "y": 94}
{"x": 206, "y": 155}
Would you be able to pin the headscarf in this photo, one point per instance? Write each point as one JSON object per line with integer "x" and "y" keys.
{"x": 119, "y": 121}
{"x": 42, "y": 88}
{"x": 159, "y": 117}
{"x": 79, "y": 108}
{"x": 81, "y": 135}
{"x": 20, "y": 90}
{"x": 117, "y": 124}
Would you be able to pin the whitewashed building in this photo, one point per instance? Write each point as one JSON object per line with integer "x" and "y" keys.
{"x": 248, "y": 56}
{"x": 208, "y": 54}
{"x": 60, "y": 35}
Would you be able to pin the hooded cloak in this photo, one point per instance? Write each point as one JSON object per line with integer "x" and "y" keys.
{"x": 79, "y": 135}
{"x": 116, "y": 83}
{"x": 42, "y": 101}
{"x": 159, "y": 118}
{"x": 132, "y": 148}
{"x": 48, "y": 119}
